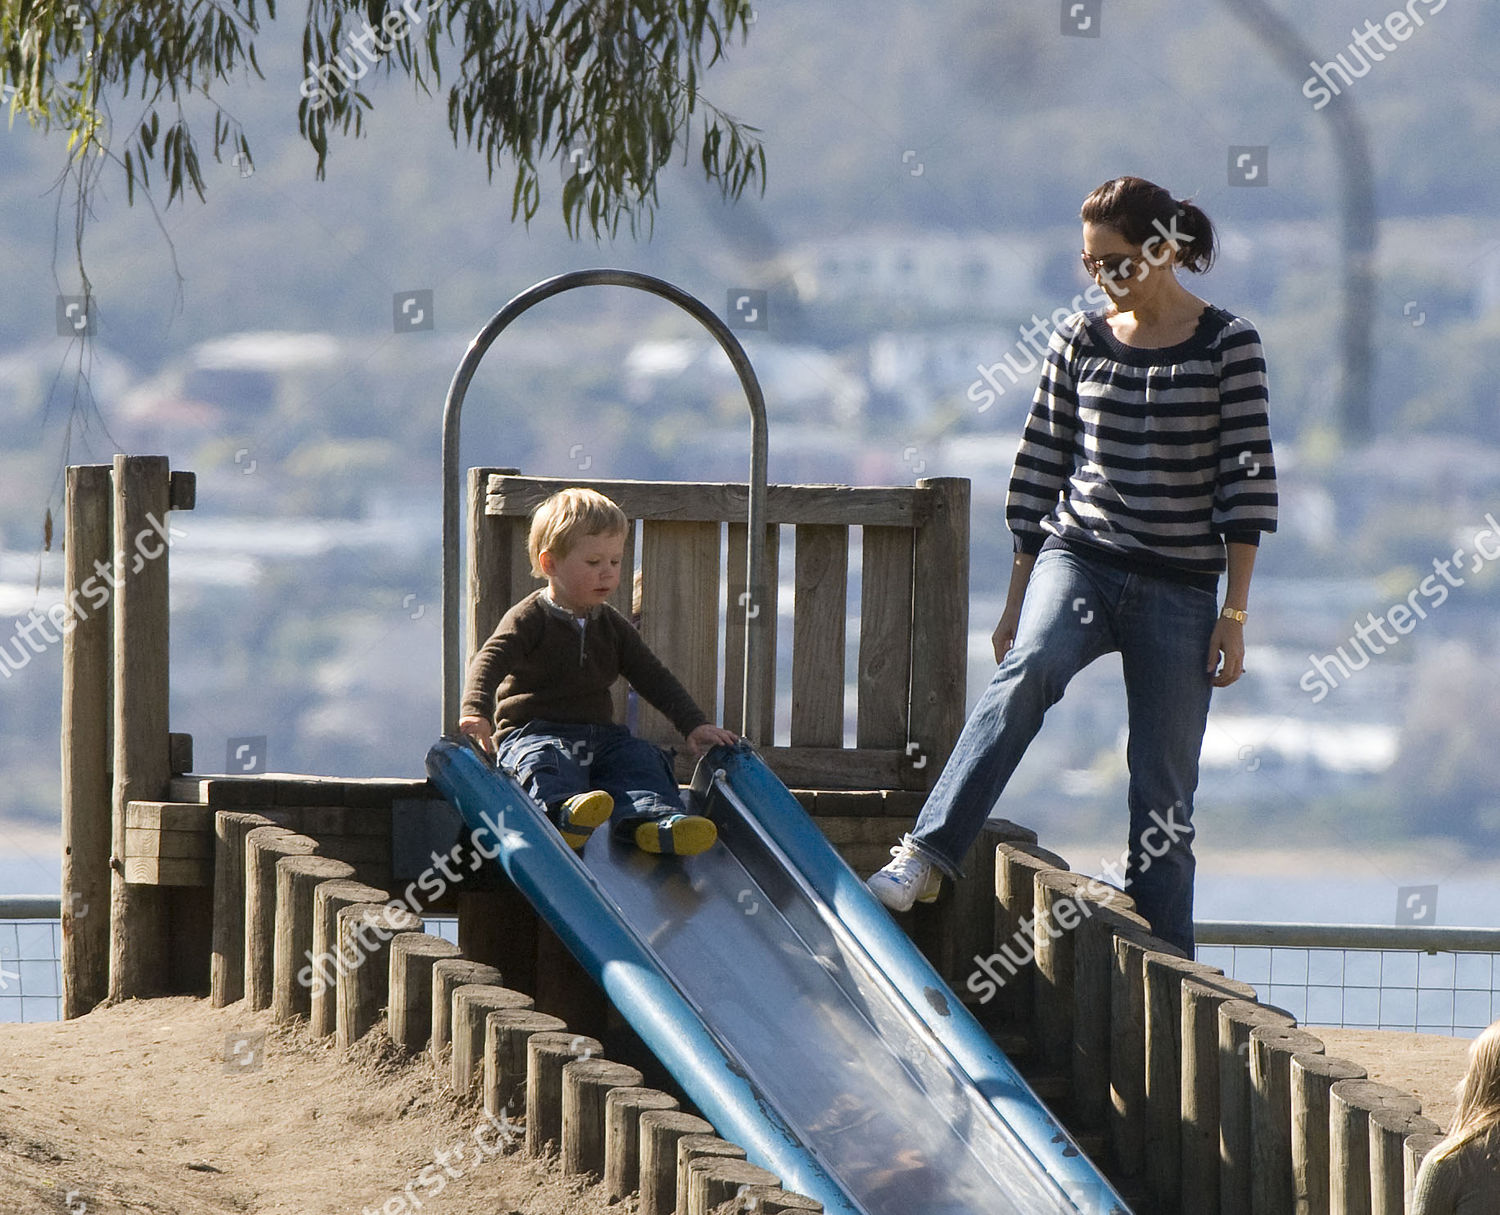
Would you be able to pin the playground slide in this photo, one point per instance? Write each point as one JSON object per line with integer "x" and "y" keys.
{"x": 788, "y": 1004}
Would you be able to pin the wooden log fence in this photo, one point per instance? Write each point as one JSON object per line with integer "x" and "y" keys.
{"x": 1312, "y": 1077}
{"x": 472, "y": 1004}
{"x": 1272, "y": 1185}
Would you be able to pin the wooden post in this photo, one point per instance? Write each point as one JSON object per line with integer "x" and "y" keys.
{"x": 1236, "y": 1019}
{"x": 585, "y": 1088}
{"x": 1271, "y": 1051}
{"x": 940, "y": 621}
{"x": 725, "y": 1180}
{"x": 328, "y": 900}
{"x": 1062, "y": 902}
{"x": 1312, "y": 1076}
{"x": 1201, "y": 997}
{"x": 87, "y": 706}
{"x": 623, "y": 1108}
{"x": 227, "y": 961}
{"x": 264, "y": 846}
{"x": 1389, "y": 1130}
{"x": 693, "y": 1149}
{"x": 506, "y": 1033}
{"x": 967, "y": 921}
{"x": 363, "y": 978}
{"x": 1127, "y": 1048}
{"x": 140, "y": 929}
{"x": 660, "y": 1131}
{"x": 410, "y": 1004}
{"x": 776, "y": 1201}
{"x": 447, "y": 975}
{"x": 296, "y": 879}
{"x": 1014, "y": 965}
{"x": 1350, "y": 1104}
{"x": 472, "y": 1003}
{"x": 1093, "y": 971}
{"x": 1413, "y": 1152}
{"x": 1161, "y": 978}
{"x": 546, "y": 1056}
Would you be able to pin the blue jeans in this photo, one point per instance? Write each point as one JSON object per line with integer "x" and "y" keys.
{"x": 1075, "y": 610}
{"x": 554, "y": 760}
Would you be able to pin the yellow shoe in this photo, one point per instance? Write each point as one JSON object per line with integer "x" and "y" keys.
{"x": 677, "y": 834}
{"x": 581, "y": 813}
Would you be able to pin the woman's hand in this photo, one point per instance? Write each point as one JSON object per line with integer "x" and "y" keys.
{"x": 479, "y": 729}
{"x": 1004, "y": 635}
{"x": 1227, "y": 641}
{"x": 709, "y": 735}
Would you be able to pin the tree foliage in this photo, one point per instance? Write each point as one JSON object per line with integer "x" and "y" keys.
{"x": 605, "y": 89}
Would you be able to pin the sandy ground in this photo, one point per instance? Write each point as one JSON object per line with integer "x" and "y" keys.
{"x": 1428, "y": 1065}
{"x": 134, "y": 1109}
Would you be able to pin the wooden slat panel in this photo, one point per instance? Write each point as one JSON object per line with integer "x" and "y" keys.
{"x": 680, "y": 613}
{"x": 885, "y": 637}
{"x": 487, "y": 566}
{"x": 765, "y": 601}
{"x": 698, "y": 502}
{"x": 622, "y": 603}
{"x": 940, "y": 628}
{"x": 826, "y": 768}
{"x": 818, "y": 636}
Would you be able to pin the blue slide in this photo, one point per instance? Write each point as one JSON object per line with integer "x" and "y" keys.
{"x": 791, "y": 1008}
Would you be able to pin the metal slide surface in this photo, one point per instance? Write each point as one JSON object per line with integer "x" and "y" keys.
{"x": 787, "y": 1003}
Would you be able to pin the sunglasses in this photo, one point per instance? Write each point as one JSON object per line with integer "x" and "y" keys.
{"x": 1118, "y": 265}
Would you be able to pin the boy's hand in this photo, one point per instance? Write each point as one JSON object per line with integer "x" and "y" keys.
{"x": 709, "y": 735}
{"x": 480, "y": 729}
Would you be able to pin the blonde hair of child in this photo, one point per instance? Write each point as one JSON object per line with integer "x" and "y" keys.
{"x": 567, "y": 515}
{"x": 1478, "y": 1112}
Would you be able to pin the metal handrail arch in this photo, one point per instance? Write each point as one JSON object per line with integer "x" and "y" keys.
{"x": 453, "y": 495}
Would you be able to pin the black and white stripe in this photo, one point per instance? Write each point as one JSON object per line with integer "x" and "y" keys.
{"x": 1154, "y": 456}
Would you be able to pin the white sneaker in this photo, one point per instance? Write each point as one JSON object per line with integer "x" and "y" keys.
{"x": 906, "y": 880}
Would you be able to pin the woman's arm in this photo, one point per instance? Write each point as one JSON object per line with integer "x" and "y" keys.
{"x": 1228, "y": 641}
{"x": 1005, "y": 632}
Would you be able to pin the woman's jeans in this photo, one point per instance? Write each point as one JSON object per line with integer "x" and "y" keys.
{"x": 1075, "y": 610}
{"x": 555, "y": 760}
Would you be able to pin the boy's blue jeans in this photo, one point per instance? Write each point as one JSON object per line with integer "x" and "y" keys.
{"x": 1075, "y": 610}
{"x": 554, "y": 760}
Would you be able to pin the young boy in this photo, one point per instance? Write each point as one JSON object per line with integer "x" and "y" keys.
{"x": 545, "y": 675}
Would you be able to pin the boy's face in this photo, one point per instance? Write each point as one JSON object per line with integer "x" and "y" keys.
{"x": 589, "y": 573}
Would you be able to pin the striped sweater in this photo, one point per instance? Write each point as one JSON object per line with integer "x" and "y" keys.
{"x": 1150, "y": 458}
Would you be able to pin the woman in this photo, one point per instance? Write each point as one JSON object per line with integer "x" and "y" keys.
{"x": 1144, "y": 471}
{"x": 1461, "y": 1176}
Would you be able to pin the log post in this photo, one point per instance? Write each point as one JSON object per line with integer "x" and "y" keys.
{"x": 586, "y": 1084}
{"x": 716, "y": 1184}
{"x": 1062, "y": 901}
{"x": 1161, "y": 980}
{"x": 291, "y": 953}
{"x": 1413, "y": 1152}
{"x": 1271, "y": 1051}
{"x": 140, "y": 946}
{"x": 1236, "y": 1019}
{"x": 506, "y": 1033}
{"x": 412, "y": 957}
{"x": 1389, "y": 1130}
{"x": 546, "y": 1056}
{"x": 264, "y": 846}
{"x": 660, "y": 1131}
{"x": 328, "y": 900}
{"x": 1127, "y": 1048}
{"x": 776, "y": 1201}
{"x": 969, "y": 917}
{"x": 448, "y": 974}
{"x": 694, "y": 1151}
{"x": 472, "y": 1003}
{"x": 940, "y": 620}
{"x": 1093, "y": 973}
{"x": 1016, "y": 867}
{"x": 1312, "y": 1076}
{"x": 1201, "y": 997}
{"x": 623, "y": 1108}
{"x": 227, "y": 960}
{"x": 363, "y": 978}
{"x": 87, "y": 708}
{"x": 1350, "y": 1104}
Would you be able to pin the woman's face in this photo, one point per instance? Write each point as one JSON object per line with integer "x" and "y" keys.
{"x": 1121, "y": 268}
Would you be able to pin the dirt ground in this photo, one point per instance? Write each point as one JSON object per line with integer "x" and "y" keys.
{"x": 134, "y": 1109}
{"x": 1428, "y": 1065}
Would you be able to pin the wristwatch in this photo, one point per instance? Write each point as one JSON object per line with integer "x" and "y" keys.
{"x": 1234, "y": 614}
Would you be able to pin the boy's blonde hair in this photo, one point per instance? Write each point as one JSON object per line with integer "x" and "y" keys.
{"x": 568, "y": 514}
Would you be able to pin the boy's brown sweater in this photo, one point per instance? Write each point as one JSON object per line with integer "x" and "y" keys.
{"x": 540, "y": 664}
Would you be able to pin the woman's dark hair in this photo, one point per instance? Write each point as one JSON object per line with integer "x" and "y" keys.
{"x": 1139, "y": 209}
